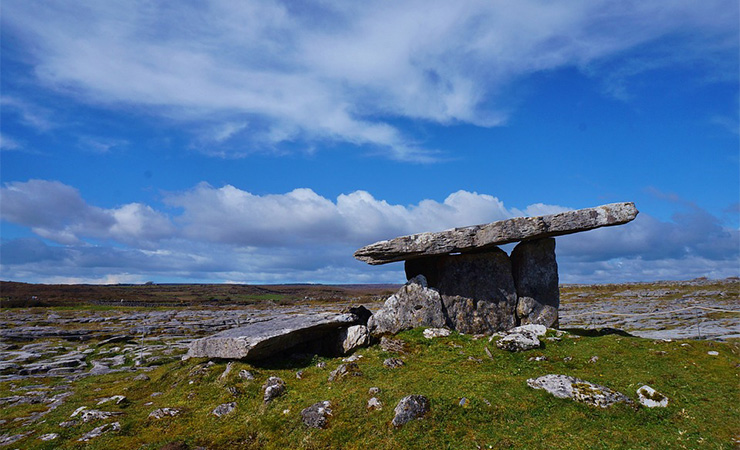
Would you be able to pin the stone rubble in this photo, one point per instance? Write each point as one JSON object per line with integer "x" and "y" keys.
{"x": 316, "y": 415}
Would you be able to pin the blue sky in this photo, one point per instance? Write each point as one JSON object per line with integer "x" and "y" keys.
{"x": 263, "y": 142}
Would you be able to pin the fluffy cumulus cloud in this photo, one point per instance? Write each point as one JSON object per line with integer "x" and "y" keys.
{"x": 225, "y": 233}
{"x": 271, "y": 72}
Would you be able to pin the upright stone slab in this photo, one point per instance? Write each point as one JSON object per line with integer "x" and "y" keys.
{"x": 477, "y": 289}
{"x": 535, "y": 272}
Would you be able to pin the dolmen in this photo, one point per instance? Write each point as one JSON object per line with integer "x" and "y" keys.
{"x": 458, "y": 279}
{"x": 462, "y": 280}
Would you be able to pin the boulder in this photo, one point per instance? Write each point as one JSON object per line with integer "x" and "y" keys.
{"x": 651, "y": 398}
{"x": 431, "y": 333}
{"x": 353, "y": 337}
{"x": 409, "y": 408}
{"x": 315, "y": 416}
{"x": 477, "y": 289}
{"x": 412, "y": 306}
{"x": 270, "y": 337}
{"x": 486, "y": 236}
{"x": 535, "y": 273}
{"x": 274, "y": 387}
{"x": 564, "y": 386}
{"x": 519, "y": 342}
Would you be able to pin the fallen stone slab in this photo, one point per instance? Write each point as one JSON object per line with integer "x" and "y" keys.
{"x": 564, "y": 386}
{"x": 268, "y": 338}
{"x": 651, "y": 398}
{"x": 479, "y": 237}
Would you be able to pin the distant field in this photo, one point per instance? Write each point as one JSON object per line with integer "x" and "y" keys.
{"x": 14, "y": 294}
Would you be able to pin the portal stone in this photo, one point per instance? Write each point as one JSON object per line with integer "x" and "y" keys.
{"x": 535, "y": 274}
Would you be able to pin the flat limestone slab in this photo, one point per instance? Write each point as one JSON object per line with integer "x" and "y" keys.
{"x": 480, "y": 237}
{"x": 270, "y": 337}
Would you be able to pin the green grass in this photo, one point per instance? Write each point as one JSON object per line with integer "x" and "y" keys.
{"x": 503, "y": 412}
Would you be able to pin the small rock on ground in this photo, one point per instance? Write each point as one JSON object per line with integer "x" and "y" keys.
{"x": 431, "y": 333}
{"x": 224, "y": 409}
{"x": 274, "y": 387}
{"x": 409, "y": 408}
{"x": 163, "y": 412}
{"x": 393, "y": 363}
{"x": 374, "y": 404}
{"x": 564, "y": 386}
{"x": 651, "y": 398}
{"x": 345, "y": 370}
{"x": 115, "y": 426}
{"x": 315, "y": 416}
{"x": 518, "y": 342}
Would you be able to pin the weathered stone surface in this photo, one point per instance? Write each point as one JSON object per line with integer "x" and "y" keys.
{"x": 224, "y": 409}
{"x": 392, "y": 345}
{"x": 393, "y": 363}
{"x": 651, "y": 398}
{"x": 350, "y": 369}
{"x": 564, "y": 386}
{"x": 274, "y": 387}
{"x": 477, "y": 289}
{"x": 535, "y": 272}
{"x": 270, "y": 337}
{"x": 497, "y": 233}
{"x": 161, "y": 413}
{"x": 115, "y": 426}
{"x": 353, "y": 337}
{"x": 412, "y": 306}
{"x": 315, "y": 416}
{"x": 431, "y": 333}
{"x": 518, "y": 342}
{"x": 409, "y": 408}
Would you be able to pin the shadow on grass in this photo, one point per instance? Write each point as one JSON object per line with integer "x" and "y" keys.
{"x": 595, "y": 332}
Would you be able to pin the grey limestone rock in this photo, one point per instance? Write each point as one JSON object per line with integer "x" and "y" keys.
{"x": 535, "y": 272}
{"x": 477, "y": 289}
{"x": 519, "y": 342}
{"x": 224, "y": 409}
{"x": 409, "y": 408}
{"x": 353, "y": 337}
{"x": 393, "y": 363}
{"x": 274, "y": 387}
{"x": 412, "y": 306}
{"x": 316, "y": 415}
{"x": 431, "y": 333}
{"x": 115, "y": 426}
{"x": 345, "y": 370}
{"x": 161, "y": 413}
{"x": 480, "y": 237}
{"x": 651, "y": 398}
{"x": 270, "y": 337}
{"x": 564, "y": 386}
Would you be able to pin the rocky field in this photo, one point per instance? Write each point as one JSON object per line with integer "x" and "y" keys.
{"x": 92, "y": 372}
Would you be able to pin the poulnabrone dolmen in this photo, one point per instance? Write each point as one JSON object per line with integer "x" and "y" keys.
{"x": 458, "y": 279}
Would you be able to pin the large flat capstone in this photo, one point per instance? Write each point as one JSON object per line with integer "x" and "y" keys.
{"x": 270, "y": 337}
{"x": 481, "y": 237}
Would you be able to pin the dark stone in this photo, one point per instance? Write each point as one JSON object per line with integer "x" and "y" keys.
{"x": 535, "y": 272}
{"x": 477, "y": 289}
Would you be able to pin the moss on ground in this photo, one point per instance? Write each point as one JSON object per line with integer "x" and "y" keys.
{"x": 502, "y": 411}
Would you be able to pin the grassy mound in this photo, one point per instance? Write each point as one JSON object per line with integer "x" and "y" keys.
{"x": 500, "y": 411}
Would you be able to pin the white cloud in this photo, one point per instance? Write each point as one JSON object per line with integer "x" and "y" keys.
{"x": 343, "y": 71}
{"x": 226, "y": 233}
